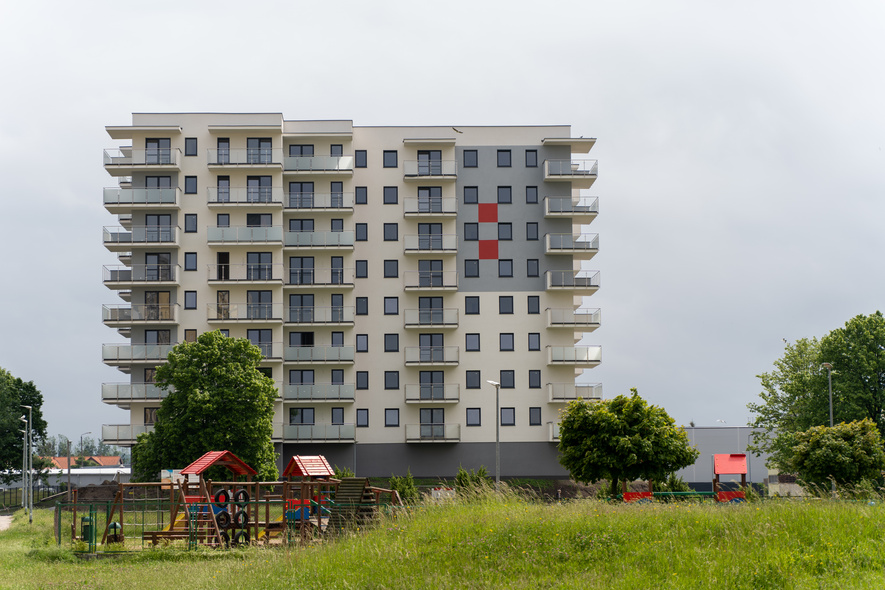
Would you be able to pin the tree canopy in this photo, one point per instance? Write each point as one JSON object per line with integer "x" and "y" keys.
{"x": 847, "y": 453}
{"x": 795, "y": 394}
{"x": 621, "y": 439}
{"x": 15, "y": 393}
{"x": 216, "y": 399}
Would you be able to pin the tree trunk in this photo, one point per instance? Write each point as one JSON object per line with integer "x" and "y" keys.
{"x": 614, "y": 487}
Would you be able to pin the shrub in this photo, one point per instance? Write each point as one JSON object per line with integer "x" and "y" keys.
{"x": 405, "y": 486}
{"x": 473, "y": 480}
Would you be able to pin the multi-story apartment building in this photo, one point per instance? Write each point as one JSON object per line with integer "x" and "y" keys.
{"x": 389, "y": 274}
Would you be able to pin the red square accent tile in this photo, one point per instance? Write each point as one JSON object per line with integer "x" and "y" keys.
{"x": 488, "y": 212}
{"x": 488, "y": 249}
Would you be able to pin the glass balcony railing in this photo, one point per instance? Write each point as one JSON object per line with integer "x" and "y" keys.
{"x": 319, "y": 239}
{"x": 246, "y": 157}
{"x": 432, "y": 392}
{"x": 319, "y": 201}
{"x": 425, "y": 168}
{"x": 124, "y": 353}
{"x": 315, "y": 432}
{"x": 440, "y": 318}
{"x": 139, "y": 273}
{"x": 567, "y": 168}
{"x": 123, "y": 434}
{"x": 431, "y": 355}
{"x": 319, "y": 354}
{"x": 250, "y": 272}
{"x": 245, "y": 195}
{"x": 430, "y": 206}
{"x": 571, "y": 206}
{"x": 130, "y": 197}
{"x": 149, "y": 235}
{"x": 433, "y": 432}
{"x": 318, "y": 164}
{"x": 141, "y": 312}
{"x": 128, "y": 392}
{"x": 319, "y": 392}
{"x": 564, "y": 392}
{"x": 430, "y": 280}
{"x": 573, "y": 318}
{"x": 241, "y": 234}
{"x": 572, "y": 243}
{"x": 319, "y": 277}
{"x": 574, "y": 355}
{"x": 319, "y": 315}
{"x": 430, "y": 243}
{"x": 245, "y": 312}
{"x": 578, "y": 280}
{"x": 124, "y": 158}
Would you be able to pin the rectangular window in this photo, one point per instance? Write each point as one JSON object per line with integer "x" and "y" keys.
{"x": 471, "y": 195}
{"x": 531, "y": 158}
{"x": 471, "y": 305}
{"x": 190, "y": 261}
{"x": 190, "y": 335}
{"x": 505, "y": 194}
{"x": 360, "y": 195}
{"x": 391, "y": 379}
{"x": 474, "y": 417}
{"x": 391, "y": 305}
{"x": 337, "y": 415}
{"x": 470, "y": 159}
{"x": 390, "y": 159}
{"x": 336, "y": 225}
{"x": 391, "y": 195}
{"x": 190, "y": 223}
{"x": 533, "y": 304}
{"x": 190, "y": 185}
{"x": 471, "y": 268}
{"x": 531, "y": 194}
{"x": 391, "y": 269}
{"x": 534, "y": 416}
{"x": 471, "y": 232}
{"x": 301, "y": 377}
{"x": 508, "y": 416}
{"x": 337, "y": 339}
{"x": 190, "y": 300}
{"x": 336, "y": 149}
{"x": 503, "y": 158}
{"x": 190, "y": 146}
{"x": 531, "y": 267}
{"x": 531, "y": 230}
{"x": 534, "y": 379}
{"x": 362, "y": 418}
{"x": 505, "y": 304}
{"x": 507, "y": 380}
{"x": 362, "y": 306}
{"x": 301, "y": 416}
{"x": 362, "y": 379}
{"x": 361, "y": 269}
{"x": 391, "y": 417}
{"x": 362, "y": 343}
{"x": 534, "y": 341}
{"x": 471, "y": 342}
{"x": 505, "y": 268}
{"x": 360, "y": 159}
{"x": 222, "y": 220}
{"x": 258, "y": 150}
{"x": 361, "y": 232}
{"x": 506, "y": 341}
{"x": 505, "y": 231}
{"x": 391, "y": 343}
{"x": 391, "y": 232}
{"x": 472, "y": 380}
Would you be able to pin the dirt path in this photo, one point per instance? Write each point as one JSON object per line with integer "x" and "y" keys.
{"x": 5, "y": 522}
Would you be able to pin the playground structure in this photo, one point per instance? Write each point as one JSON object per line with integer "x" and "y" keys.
{"x": 307, "y": 503}
{"x": 723, "y": 464}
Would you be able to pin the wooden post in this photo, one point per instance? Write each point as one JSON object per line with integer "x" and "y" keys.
{"x": 651, "y": 486}
{"x": 716, "y": 484}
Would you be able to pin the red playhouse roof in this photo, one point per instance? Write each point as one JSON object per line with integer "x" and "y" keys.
{"x": 310, "y": 466}
{"x": 730, "y": 464}
{"x": 220, "y": 458}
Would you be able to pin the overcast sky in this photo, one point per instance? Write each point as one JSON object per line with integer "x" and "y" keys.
{"x": 740, "y": 158}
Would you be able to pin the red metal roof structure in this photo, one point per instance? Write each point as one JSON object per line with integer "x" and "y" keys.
{"x": 308, "y": 466}
{"x": 219, "y": 458}
{"x": 733, "y": 464}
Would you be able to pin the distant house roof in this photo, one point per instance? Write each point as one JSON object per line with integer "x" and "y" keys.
{"x": 219, "y": 458}
{"x": 308, "y": 466}
{"x": 92, "y": 461}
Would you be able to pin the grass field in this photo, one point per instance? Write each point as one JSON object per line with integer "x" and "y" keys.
{"x": 505, "y": 541}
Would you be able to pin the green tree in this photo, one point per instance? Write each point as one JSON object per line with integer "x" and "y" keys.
{"x": 216, "y": 399}
{"x": 15, "y": 393}
{"x": 848, "y": 453}
{"x": 621, "y": 439}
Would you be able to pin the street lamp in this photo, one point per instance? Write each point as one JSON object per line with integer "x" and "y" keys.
{"x": 497, "y": 432}
{"x": 81, "y": 442}
{"x": 24, "y": 462}
{"x": 30, "y": 464}
{"x": 829, "y": 368}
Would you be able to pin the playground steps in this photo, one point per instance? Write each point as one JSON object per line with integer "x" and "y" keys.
{"x": 354, "y": 503}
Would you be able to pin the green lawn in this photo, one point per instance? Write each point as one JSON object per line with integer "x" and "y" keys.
{"x": 508, "y": 542}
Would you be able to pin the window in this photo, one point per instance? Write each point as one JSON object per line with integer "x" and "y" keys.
{"x": 259, "y": 304}
{"x": 473, "y": 380}
{"x": 301, "y": 150}
{"x": 336, "y": 225}
{"x": 190, "y": 335}
{"x": 470, "y": 159}
{"x": 508, "y": 416}
{"x": 337, "y": 376}
{"x": 471, "y": 195}
{"x": 360, "y": 195}
{"x": 531, "y": 194}
{"x": 301, "y": 377}
{"x": 533, "y": 304}
{"x": 471, "y": 305}
{"x": 471, "y": 342}
{"x": 534, "y": 379}
{"x": 389, "y": 159}
{"x": 506, "y": 341}
{"x": 505, "y": 194}
{"x": 336, "y": 149}
{"x": 391, "y": 417}
{"x": 225, "y": 333}
{"x": 474, "y": 416}
{"x": 391, "y": 305}
{"x": 505, "y": 304}
{"x": 362, "y": 418}
{"x": 362, "y": 379}
{"x": 150, "y": 415}
{"x": 391, "y": 343}
{"x": 190, "y": 300}
{"x": 190, "y": 146}
{"x": 507, "y": 380}
{"x": 391, "y": 379}
{"x": 361, "y": 232}
{"x": 301, "y": 416}
{"x": 362, "y": 343}
{"x": 534, "y": 416}
{"x": 391, "y": 195}
{"x": 158, "y": 150}
{"x": 261, "y": 220}
{"x": 471, "y": 268}
{"x": 223, "y": 151}
{"x": 337, "y": 339}
{"x": 190, "y": 185}
{"x": 391, "y": 269}
{"x": 531, "y": 158}
{"x": 361, "y": 269}
{"x": 359, "y": 159}
{"x": 190, "y": 261}
{"x": 222, "y": 220}
{"x": 505, "y": 268}
{"x": 362, "y": 306}
{"x": 503, "y": 158}
{"x": 337, "y": 415}
{"x": 505, "y": 231}
{"x": 531, "y": 267}
{"x": 471, "y": 232}
{"x": 531, "y": 230}
{"x": 534, "y": 341}
{"x": 190, "y": 223}
{"x": 258, "y": 150}
{"x": 391, "y": 232}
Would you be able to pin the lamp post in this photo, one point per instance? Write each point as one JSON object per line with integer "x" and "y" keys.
{"x": 30, "y": 464}
{"x": 829, "y": 368}
{"x": 24, "y": 462}
{"x": 82, "y": 454}
{"x": 497, "y": 432}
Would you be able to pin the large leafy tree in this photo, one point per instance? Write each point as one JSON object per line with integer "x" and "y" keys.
{"x": 847, "y": 453}
{"x": 15, "y": 393}
{"x": 795, "y": 394}
{"x": 621, "y": 439}
{"x": 216, "y": 399}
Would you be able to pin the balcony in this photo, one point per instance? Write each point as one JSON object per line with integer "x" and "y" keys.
{"x": 325, "y": 165}
{"x": 253, "y": 197}
{"x": 430, "y": 170}
{"x": 124, "y": 277}
{"x": 120, "y": 239}
{"x": 244, "y": 234}
{"x": 431, "y": 280}
{"x": 255, "y": 273}
{"x": 124, "y": 354}
{"x": 271, "y": 351}
{"x": 578, "y": 356}
{"x": 325, "y": 240}
{"x": 585, "y": 281}
{"x": 431, "y": 318}
{"x": 118, "y": 199}
{"x": 430, "y": 207}
{"x": 125, "y": 161}
{"x": 566, "y": 392}
{"x": 315, "y": 433}
{"x": 438, "y": 393}
{"x": 319, "y": 392}
{"x": 583, "y": 246}
{"x": 433, "y": 433}
{"x": 117, "y": 393}
{"x": 127, "y": 315}
{"x": 581, "y": 209}
{"x": 340, "y": 355}
{"x": 246, "y": 157}
{"x": 123, "y": 434}
{"x": 430, "y": 244}
{"x": 332, "y": 316}
{"x": 319, "y": 201}
{"x": 586, "y": 320}
{"x": 553, "y": 435}
{"x": 431, "y": 355}
{"x": 310, "y": 278}
{"x": 581, "y": 173}
{"x": 257, "y": 313}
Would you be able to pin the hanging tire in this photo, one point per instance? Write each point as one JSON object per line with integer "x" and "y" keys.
{"x": 241, "y": 497}
{"x": 241, "y": 538}
{"x": 222, "y": 498}
{"x": 225, "y": 540}
{"x": 241, "y": 519}
{"x": 223, "y": 519}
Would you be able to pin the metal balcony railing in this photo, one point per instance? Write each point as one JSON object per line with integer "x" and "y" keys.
{"x": 570, "y": 206}
{"x": 245, "y": 312}
{"x": 315, "y": 432}
{"x": 417, "y": 280}
{"x": 573, "y": 318}
{"x": 319, "y": 239}
{"x": 433, "y": 432}
{"x": 319, "y": 201}
{"x": 250, "y": 272}
{"x": 241, "y": 234}
{"x": 319, "y": 392}
{"x": 574, "y": 355}
{"x": 430, "y": 206}
{"x": 322, "y": 277}
{"x": 318, "y": 163}
{"x": 140, "y": 312}
{"x": 122, "y": 353}
{"x": 127, "y": 392}
{"x": 439, "y": 318}
{"x": 245, "y": 157}
{"x": 570, "y": 167}
{"x": 139, "y": 273}
{"x": 150, "y": 234}
{"x": 150, "y": 157}
{"x": 320, "y": 315}
{"x": 123, "y": 434}
{"x": 564, "y": 392}
{"x": 423, "y": 168}
{"x": 430, "y": 243}
{"x": 245, "y": 195}
{"x": 571, "y": 243}
{"x": 319, "y": 354}
{"x": 432, "y": 392}
{"x": 140, "y": 196}
{"x": 573, "y": 279}
{"x": 431, "y": 355}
